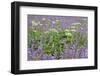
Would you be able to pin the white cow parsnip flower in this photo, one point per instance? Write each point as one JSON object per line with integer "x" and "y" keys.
{"x": 68, "y": 30}
{"x": 34, "y": 23}
{"x": 53, "y": 30}
{"x": 68, "y": 34}
{"x": 34, "y": 31}
{"x": 77, "y": 23}
{"x": 43, "y": 19}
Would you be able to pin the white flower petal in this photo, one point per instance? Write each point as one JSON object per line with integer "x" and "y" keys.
{"x": 68, "y": 34}
{"x": 43, "y": 19}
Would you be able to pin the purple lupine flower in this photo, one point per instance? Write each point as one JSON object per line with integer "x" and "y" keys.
{"x": 83, "y": 53}
{"x": 46, "y": 57}
{"x": 31, "y": 54}
{"x": 51, "y": 57}
{"x": 69, "y": 53}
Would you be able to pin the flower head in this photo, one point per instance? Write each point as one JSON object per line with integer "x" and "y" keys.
{"x": 76, "y": 23}
{"x": 53, "y": 30}
{"x": 34, "y": 23}
{"x": 43, "y": 19}
{"x": 68, "y": 34}
{"x": 53, "y": 22}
